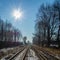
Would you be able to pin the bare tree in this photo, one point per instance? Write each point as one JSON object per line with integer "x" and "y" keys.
{"x": 24, "y": 39}
{"x": 56, "y": 6}
{"x": 46, "y": 22}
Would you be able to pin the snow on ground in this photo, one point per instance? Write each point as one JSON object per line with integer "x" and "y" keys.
{"x": 31, "y": 55}
{"x": 5, "y": 52}
{"x": 5, "y": 49}
{"x": 20, "y": 55}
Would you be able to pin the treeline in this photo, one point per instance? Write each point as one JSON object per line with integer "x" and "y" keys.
{"x": 47, "y": 27}
{"x": 9, "y": 36}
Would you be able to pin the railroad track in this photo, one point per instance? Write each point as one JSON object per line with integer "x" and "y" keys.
{"x": 40, "y": 53}
{"x": 44, "y": 55}
{"x": 23, "y": 52}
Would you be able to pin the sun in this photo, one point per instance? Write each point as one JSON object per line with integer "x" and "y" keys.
{"x": 17, "y": 14}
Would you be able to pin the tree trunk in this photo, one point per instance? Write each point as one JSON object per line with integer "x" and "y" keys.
{"x": 58, "y": 37}
{"x": 2, "y": 32}
{"x": 48, "y": 36}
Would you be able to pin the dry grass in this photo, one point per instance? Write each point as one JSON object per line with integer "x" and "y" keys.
{"x": 53, "y": 50}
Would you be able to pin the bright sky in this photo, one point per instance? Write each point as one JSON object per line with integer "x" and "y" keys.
{"x": 29, "y": 8}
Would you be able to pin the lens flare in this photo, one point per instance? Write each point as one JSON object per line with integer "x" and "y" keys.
{"x": 17, "y": 14}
